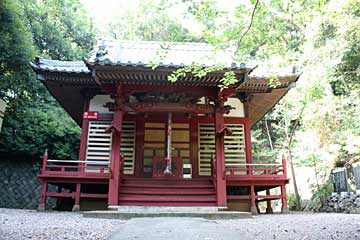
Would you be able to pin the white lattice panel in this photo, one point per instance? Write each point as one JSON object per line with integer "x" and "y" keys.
{"x": 206, "y": 148}
{"x": 128, "y": 146}
{"x": 234, "y": 146}
{"x": 99, "y": 144}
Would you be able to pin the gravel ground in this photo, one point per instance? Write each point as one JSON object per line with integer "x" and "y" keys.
{"x": 29, "y": 224}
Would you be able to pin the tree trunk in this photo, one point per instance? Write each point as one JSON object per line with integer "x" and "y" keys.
{"x": 268, "y": 135}
{"x": 290, "y": 138}
{"x": 296, "y": 191}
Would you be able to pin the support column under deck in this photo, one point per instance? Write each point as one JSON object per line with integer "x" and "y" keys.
{"x": 254, "y": 210}
{"x": 284, "y": 207}
{"x": 76, "y": 206}
{"x": 268, "y": 203}
{"x": 220, "y": 159}
{"x": 42, "y": 204}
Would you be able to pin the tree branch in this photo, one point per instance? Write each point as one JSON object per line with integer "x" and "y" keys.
{"x": 248, "y": 28}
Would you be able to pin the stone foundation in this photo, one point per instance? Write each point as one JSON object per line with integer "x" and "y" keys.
{"x": 343, "y": 203}
{"x": 19, "y": 185}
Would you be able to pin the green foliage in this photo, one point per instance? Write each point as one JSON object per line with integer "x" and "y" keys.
{"x": 320, "y": 194}
{"x": 34, "y": 130}
{"x": 195, "y": 70}
{"x": 149, "y": 22}
{"x": 291, "y": 201}
{"x": 33, "y": 120}
{"x": 261, "y": 146}
{"x": 323, "y": 110}
{"x": 60, "y": 29}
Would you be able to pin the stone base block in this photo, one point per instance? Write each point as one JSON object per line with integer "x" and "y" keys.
{"x": 284, "y": 209}
{"x": 269, "y": 210}
{"x": 76, "y": 208}
{"x": 41, "y": 207}
{"x": 254, "y": 211}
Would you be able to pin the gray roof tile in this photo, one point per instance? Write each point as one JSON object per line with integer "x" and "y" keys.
{"x": 164, "y": 54}
{"x": 60, "y": 66}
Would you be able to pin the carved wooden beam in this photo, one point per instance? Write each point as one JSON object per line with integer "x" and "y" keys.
{"x": 169, "y": 107}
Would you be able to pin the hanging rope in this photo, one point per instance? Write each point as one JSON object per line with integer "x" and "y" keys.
{"x": 168, "y": 169}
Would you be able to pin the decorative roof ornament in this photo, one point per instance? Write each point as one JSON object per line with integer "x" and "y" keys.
{"x": 102, "y": 51}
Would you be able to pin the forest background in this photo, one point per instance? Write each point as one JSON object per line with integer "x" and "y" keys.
{"x": 316, "y": 125}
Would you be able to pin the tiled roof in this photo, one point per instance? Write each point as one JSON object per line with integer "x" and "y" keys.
{"x": 163, "y": 54}
{"x": 129, "y": 53}
{"x": 57, "y": 66}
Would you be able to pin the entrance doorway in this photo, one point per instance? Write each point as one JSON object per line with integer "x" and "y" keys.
{"x": 155, "y": 139}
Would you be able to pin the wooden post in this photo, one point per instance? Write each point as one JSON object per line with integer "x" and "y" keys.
{"x": 42, "y": 204}
{"x": 76, "y": 206}
{"x": 268, "y": 203}
{"x": 194, "y": 135}
{"x": 114, "y": 181}
{"x": 84, "y": 134}
{"x": 253, "y": 205}
{"x": 284, "y": 166}
{"x": 44, "y": 162}
{"x": 248, "y": 142}
{"x": 248, "y": 146}
{"x": 284, "y": 207}
{"x": 83, "y": 142}
{"x": 220, "y": 158}
{"x": 257, "y": 203}
{"x": 139, "y": 160}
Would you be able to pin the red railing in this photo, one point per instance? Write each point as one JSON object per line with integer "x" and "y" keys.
{"x": 233, "y": 171}
{"x": 73, "y": 167}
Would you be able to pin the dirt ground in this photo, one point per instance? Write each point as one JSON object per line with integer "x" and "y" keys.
{"x": 29, "y": 224}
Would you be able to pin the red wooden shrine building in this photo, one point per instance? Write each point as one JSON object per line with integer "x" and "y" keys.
{"x": 149, "y": 142}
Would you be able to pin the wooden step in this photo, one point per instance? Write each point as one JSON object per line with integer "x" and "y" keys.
{"x": 168, "y": 198}
{"x": 166, "y": 186}
{"x": 177, "y": 204}
{"x": 166, "y": 191}
{"x": 167, "y": 182}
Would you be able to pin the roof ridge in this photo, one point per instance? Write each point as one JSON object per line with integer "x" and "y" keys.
{"x": 153, "y": 42}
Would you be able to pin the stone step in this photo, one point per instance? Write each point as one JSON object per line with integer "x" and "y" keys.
{"x": 151, "y": 209}
{"x": 129, "y": 215}
{"x": 167, "y": 203}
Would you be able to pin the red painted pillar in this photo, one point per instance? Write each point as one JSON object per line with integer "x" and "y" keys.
{"x": 114, "y": 181}
{"x": 139, "y": 156}
{"x": 252, "y": 196}
{"x": 84, "y": 135}
{"x": 42, "y": 204}
{"x": 76, "y": 206}
{"x": 284, "y": 166}
{"x": 115, "y": 165}
{"x": 268, "y": 203}
{"x": 194, "y": 135}
{"x": 44, "y": 162}
{"x": 284, "y": 207}
{"x": 248, "y": 146}
{"x": 83, "y": 142}
{"x": 220, "y": 159}
{"x": 248, "y": 141}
